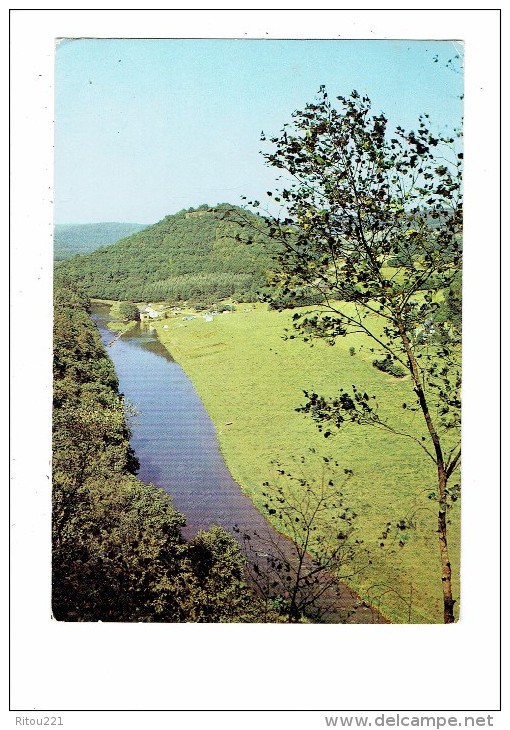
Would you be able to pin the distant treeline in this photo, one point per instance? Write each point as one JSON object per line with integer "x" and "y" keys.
{"x": 70, "y": 239}
{"x": 196, "y": 254}
{"x": 118, "y": 552}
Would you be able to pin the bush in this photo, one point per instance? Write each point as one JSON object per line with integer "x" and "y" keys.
{"x": 128, "y": 312}
{"x": 225, "y": 308}
{"x": 303, "y": 297}
{"x": 388, "y": 366}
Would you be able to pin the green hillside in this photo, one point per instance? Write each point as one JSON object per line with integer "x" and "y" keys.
{"x": 70, "y": 239}
{"x": 197, "y": 255}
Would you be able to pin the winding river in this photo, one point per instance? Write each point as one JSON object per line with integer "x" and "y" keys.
{"x": 177, "y": 447}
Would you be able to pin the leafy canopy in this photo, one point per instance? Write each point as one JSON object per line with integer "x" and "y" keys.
{"x": 362, "y": 199}
{"x": 371, "y": 225}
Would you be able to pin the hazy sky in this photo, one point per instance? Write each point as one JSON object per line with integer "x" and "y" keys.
{"x": 144, "y": 128}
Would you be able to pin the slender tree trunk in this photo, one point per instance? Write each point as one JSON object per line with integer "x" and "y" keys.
{"x": 294, "y": 613}
{"x": 446, "y": 568}
{"x": 442, "y": 478}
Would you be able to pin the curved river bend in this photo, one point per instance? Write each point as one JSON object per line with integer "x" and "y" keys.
{"x": 177, "y": 447}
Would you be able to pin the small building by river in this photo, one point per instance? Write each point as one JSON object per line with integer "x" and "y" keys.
{"x": 148, "y": 313}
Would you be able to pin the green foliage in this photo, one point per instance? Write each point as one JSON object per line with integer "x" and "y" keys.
{"x": 374, "y": 220}
{"x": 386, "y": 365}
{"x": 199, "y": 306}
{"x": 300, "y": 578}
{"x": 225, "y": 308}
{"x": 220, "y": 593}
{"x": 448, "y": 316}
{"x": 193, "y": 255}
{"x": 72, "y": 239}
{"x": 280, "y": 299}
{"x": 128, "y": 312}
{"x": 119, "y": 555}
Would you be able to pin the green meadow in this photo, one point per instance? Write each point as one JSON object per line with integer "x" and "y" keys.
{"x": 251, "y": 381}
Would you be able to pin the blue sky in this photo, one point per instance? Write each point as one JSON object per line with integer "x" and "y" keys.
{"x": 144, "y": 128}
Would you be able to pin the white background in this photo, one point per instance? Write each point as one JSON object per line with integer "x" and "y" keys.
{"x": 57, "y": 667}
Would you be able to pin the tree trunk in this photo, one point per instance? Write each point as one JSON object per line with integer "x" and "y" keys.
{"x": 446, "y": 568}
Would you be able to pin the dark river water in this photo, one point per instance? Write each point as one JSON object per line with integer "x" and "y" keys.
{"x": 177, "y": 447}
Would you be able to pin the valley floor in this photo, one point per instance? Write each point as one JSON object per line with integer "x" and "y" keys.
{"x": 251, "y": 381}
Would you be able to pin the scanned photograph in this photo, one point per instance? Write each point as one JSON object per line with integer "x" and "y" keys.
{"x": 257, "y": 327}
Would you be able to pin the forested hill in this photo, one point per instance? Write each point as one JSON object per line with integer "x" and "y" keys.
{"x": 70, "y": 239}
{"x": 198, "y": 254}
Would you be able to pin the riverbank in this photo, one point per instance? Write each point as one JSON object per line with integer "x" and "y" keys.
{"x": 176, "y": 444}
{"x": 251, "y": 381}
{"x": 118, "y": 553}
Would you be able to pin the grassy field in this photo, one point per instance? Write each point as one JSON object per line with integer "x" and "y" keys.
{"x": 251, "y": 382}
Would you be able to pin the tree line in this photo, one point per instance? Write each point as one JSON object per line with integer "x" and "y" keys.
{"x": 71, "y": 239}
{"x": 118, "y": 551}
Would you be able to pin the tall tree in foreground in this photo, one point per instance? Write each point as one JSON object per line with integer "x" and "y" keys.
{"x": 372, "y": 226}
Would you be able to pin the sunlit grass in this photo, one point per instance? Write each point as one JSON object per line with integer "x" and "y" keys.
{"x": 251, "y": 382}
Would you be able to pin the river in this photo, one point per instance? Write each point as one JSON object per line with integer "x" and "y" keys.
{"x": 177, "y": 447}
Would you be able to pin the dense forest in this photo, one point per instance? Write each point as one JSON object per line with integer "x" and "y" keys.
{"x": 72, "y": 239}
{"x": 195, "y": 255}
{"x": 118, "y": 552}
